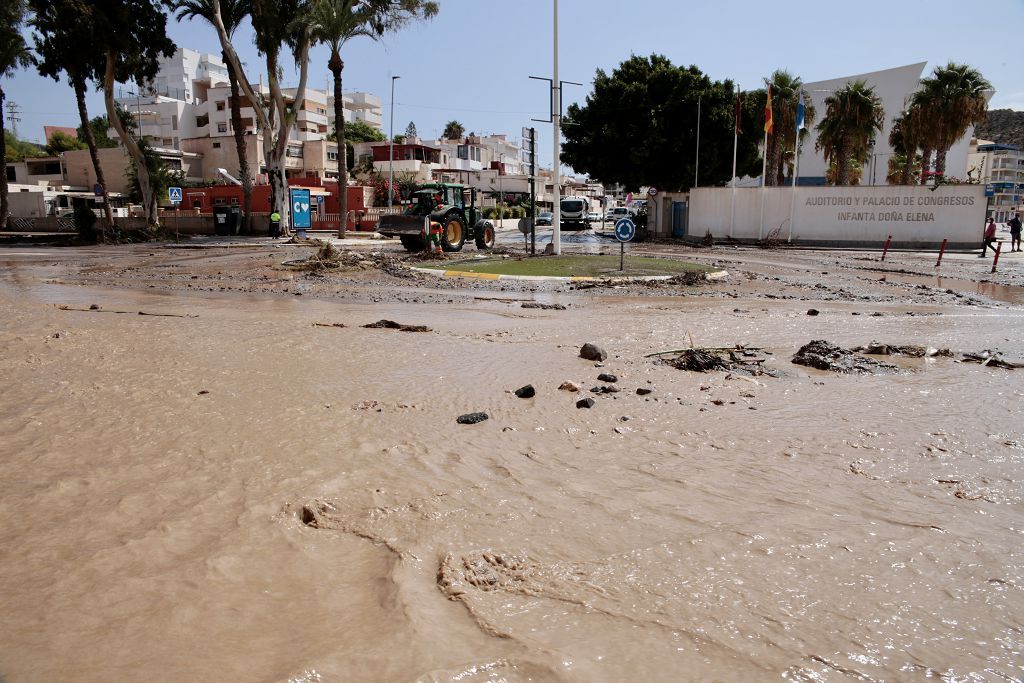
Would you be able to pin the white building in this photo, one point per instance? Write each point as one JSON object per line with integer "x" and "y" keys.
{"x": 894, "y": 87}
{"x": 1000, "y": 167}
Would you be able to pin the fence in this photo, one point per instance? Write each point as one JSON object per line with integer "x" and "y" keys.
{"x": 364, "y": 220}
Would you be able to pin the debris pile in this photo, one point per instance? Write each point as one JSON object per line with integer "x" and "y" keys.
{"x": 992, "y": 359}
{"x": 738, "y": 359}
{"x": 824, "y": 355}
{"x": 392, "y": 325}
{"x": 910, "y": 350}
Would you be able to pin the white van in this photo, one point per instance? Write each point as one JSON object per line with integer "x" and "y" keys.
{"x": 575, "y": 213}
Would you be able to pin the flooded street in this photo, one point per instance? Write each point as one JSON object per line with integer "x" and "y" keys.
{"x": 239, "y": 494}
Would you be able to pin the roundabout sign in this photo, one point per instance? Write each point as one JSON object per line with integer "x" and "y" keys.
{"x": 625, "y": 230}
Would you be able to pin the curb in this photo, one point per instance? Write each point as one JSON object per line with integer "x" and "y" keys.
{"x": 715, "y": 275}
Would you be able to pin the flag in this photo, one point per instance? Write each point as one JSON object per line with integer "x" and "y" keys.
{"x": 800, "y": 114}
{"x": 739, "y": 108}
{"x": 768, "y": 111}
{"x": 629, "y": 198}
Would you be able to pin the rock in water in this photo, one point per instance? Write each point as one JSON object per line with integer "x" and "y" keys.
{"x": 526, "y": 392}
{"x": 827, "y": 356}
{"x": 471, "y": 418}
{"x": 606, "y": 377}
{"x": 568, "y": 386}
{"x": 812, "y": 311}
{"x": 593, "y": 352}
{"x": 585, "y": 403}
{"x": 643, "y": 391}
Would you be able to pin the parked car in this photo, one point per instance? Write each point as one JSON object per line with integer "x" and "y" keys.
{"x": 544, "y": 218}
{"x": 617, "y": 212}
{"x": 594, "y": 216}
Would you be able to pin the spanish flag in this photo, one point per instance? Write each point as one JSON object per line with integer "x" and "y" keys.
{"x": 768, "y": 111}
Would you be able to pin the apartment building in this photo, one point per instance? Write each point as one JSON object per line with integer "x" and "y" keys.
{"x": 1001, "y": 168}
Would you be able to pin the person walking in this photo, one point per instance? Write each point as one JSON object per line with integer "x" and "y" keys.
{"x": 275, "y": 225}
{"x": 1015, "y": 226}
{"x": 990, "y": 237}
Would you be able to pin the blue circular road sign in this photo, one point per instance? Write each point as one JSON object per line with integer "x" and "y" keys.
{"x": 625, "y": 230}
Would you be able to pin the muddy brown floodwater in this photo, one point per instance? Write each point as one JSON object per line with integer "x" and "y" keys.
{"x": 240, "y": 495}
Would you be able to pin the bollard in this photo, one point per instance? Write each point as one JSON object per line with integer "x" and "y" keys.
{"x": 999, "y": 246}
{"x": 942, "y": 250}
{"x": 886, "y": 249}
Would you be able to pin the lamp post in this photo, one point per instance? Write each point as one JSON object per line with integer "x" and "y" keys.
{"x": 391, "y": 149}
{"x": 501, "y": 196}
{"x": 556, "y": 110}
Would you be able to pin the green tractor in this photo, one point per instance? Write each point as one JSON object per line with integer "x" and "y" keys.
{"x": 446, "y": 205}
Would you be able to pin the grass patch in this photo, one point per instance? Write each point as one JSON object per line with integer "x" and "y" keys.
{"x": 570, "y": 266}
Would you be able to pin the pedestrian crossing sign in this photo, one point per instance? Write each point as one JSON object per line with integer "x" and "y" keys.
{"x": 174, "y": 194}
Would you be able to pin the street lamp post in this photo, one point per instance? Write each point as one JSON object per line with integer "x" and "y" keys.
{"x": 501, "y": 196}
{"x": 391, "y": 149}
{"x": 556, "y": 110}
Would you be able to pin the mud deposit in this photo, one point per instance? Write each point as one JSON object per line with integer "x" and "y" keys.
{"x": 248, "y": 485}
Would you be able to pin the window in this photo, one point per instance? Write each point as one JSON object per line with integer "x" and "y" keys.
{"x": 222, "y": 128}
{"x": 216, "y": 145}
{"x": 293, "y": 152}
{"x": 332, "y": 156}
{"x": 321, "y": 110}
{"x": 220, "y": 106}
{"x": 174, "y": 122}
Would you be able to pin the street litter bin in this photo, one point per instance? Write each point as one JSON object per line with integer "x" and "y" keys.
{"x": 221, "y": 218}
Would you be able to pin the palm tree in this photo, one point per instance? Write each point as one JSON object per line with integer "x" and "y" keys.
{"x": 853, "y": 115}
{"x": 232, "y": 12}
{"x": 14, "y": 55}
{"x": 786, "y": 91}
{"x": 334, "y": 23}
{"x": 453, "y": 130}
{"x": 954, "y": 99}
{"x": 905, "y": 138}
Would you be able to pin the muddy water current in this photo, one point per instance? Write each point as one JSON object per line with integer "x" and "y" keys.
{"x": 241, "y": 495}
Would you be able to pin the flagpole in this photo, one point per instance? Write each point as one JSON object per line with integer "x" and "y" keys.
{"x": 796, "y": 172}
{"x": 735, "y": 143}
{"x": 696, "y": 163}
{"x": 764, "y": 178}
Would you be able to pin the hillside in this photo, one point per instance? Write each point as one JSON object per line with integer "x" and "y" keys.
{"x": 1003, "y": 125}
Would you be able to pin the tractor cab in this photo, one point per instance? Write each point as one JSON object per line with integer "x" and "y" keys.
{"x": 451, "y": 206}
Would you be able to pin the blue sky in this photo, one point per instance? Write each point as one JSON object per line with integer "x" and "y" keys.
{"x": 473, "y": 60}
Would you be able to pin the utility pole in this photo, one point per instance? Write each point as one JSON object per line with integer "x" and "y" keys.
{"x": 391, "y": 149}
{"x": 13, "y": 116}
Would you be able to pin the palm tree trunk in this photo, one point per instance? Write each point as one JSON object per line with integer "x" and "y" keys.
{"x": 141, "y": 169}
{"x": 336, "y": 66}
{"x": 843, "y": 159}
{"x": 908, "y": 168}
{"x": 926, "y": 160}
{"x": 78, "y": 83}
{"x": 240, "y": 147}
{"x": 940, "y": 165}
{"x": 4, "y": 208}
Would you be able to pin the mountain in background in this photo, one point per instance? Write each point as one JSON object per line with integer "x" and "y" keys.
{"x": 1002, "y": 125}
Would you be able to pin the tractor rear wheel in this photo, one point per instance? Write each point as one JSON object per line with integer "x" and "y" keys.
{"x": 484, "y": 232}
{"x": 412, "y": 242}
{"x": 453, "y": 232}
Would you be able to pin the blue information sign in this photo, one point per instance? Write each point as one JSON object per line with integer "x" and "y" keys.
{"x": 625, "y": 230}
{"x": 300, "y": 208}
{"x": 174, "y": 194}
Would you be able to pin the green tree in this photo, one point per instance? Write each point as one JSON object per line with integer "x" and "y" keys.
{"x": 233, "y": 13}
{"x": 334, "y": 23}
{"x": 133, "y": 34}
{"x": 453, "y": 130}
{"x": 62, "y": 142}
{"x": 853, "y": 115}
{"x": 68, "y": 43}
{"x": 638, "y": 127}
{"x": 410, "y": 130}
{"x": 361, "y": 131}
{"x": 786, "y": 92}
{"x": 954, "y": 99}
{"x": 14, "y": 55}
{"x": 19, "y": 150}
{"x": 160, "y": 175}
{"x": 99, "y": 126}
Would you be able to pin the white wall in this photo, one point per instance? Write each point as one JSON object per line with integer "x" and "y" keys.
{"x": 844, "y": 216}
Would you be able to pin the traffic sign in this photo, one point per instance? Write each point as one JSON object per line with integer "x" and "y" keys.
{"x": 174, "y": 194}
{"x": 625, "y": 230}
{"x": 653, "y": 191}
{"x": 300, "y": 208}
{"x": 97, "y": 189}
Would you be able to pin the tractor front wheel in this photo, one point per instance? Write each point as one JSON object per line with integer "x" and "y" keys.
{"x": 453, "y": 232}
